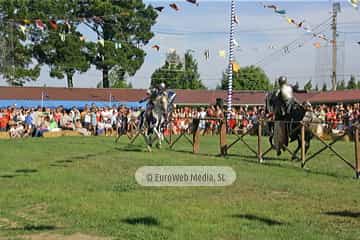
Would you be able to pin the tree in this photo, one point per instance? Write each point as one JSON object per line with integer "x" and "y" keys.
{"x": 341, "y": 85}
{"x": 358, "y": 84}
{"x": 248, "y": 78}
{"x": 352, "y": 83}
{"x": 122, "y": 27}
{"x": 117, "y": 78}
{"x": 177, "y": 74}
{"x": 316, "y": 88}
{"x": 64, "y": 54}
{"x": 324, "y": 88}
{"x": 308, "y": 86}
{"x": 17, "y": 65}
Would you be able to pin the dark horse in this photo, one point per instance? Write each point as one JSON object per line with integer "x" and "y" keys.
{"x": 286, "y": 126}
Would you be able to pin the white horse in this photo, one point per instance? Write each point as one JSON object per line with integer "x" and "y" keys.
{"x": 154, "y": 120}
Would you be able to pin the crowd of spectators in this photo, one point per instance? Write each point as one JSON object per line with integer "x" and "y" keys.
{"x": 93, "y": 120}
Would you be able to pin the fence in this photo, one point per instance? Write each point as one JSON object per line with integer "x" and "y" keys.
{"x": 257, "y": 150}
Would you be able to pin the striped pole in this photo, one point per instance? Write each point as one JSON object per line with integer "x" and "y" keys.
{"x": 231, "y": 59}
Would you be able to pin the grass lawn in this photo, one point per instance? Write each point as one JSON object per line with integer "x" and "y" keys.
{"x": 86, "y": 185}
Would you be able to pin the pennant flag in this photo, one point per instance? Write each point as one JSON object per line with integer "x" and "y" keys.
{"x": 271, "y": 6}
{"x": 236, "y": 19}
{"x": 354, "y": 4}
{"x": 39, "y": 24}
{"x": 22, "y": 28}
{"x": 53, "y": 24}
{"x": 235, "y": 66}
{"x": 174, "y": 6}
{"x": 282, "y": 12}
{"x": 358, "y": 43}
{"x": 101, "y": 42}
{"x": 207, "y": 54}
{"x": 27, "y": 22}
{"x": 160, "y": 9}
{"x": 222, "y": 53}
{"x": 62, "y": 36}
{"x": 301, "y": 24}
{"x": 193, "y": 2}
{"x": 235, "y": 43}
{"x": 317, "y": 45}
{"x": 157, "y": 47}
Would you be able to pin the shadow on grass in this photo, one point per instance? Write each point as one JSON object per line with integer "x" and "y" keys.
{"x": 344, "y": 214}
{"x": 35, "y": 228}
{"x": 58, "y": 165}
{"x": 26, "y": 171}
{"x": 84, "y": 156}
{"x": 64, "y": 161}
{"x": 7, "y": 176}
{"x": 251, "y": 217}
{"x": 130, "y": 149}
{"x": 146, "y": 221}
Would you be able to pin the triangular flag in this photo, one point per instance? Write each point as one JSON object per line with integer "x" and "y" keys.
{"x": 174, "y": 6}
{"x": 235, "y": 66}
{"x": 62, "y": 36}
{"x": 39, "y": 24}
{"x": 53, "y": 24}
{"x": 157, "y": 47}
{"x": 354, "y": 3}
{"x": 101, "y": 42}
{"x": 22, "y": 28}
{"x": 222, "y": 53}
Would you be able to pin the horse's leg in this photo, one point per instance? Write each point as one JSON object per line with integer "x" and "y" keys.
{"x": 297, "y": 149}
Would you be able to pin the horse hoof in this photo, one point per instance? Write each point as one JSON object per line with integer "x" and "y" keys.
{"x": 278, "y": 152}
{"x": 149, "y": 148}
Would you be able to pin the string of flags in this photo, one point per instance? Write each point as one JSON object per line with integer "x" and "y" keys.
{"x": 299, "y": 24}
{"x": 176, "y": 7}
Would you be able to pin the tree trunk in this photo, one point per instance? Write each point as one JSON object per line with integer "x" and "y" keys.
{"x": 69, "y": 78}
{"x": 106, "y": 83}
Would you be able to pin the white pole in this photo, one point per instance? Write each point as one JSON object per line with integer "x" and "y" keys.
{"x": 231, "y": 59}
{"x": 42, "y": 99}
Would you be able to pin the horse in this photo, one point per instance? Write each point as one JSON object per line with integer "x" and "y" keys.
{"x": 286, "y": 128}
{"x": 154, "y": 120}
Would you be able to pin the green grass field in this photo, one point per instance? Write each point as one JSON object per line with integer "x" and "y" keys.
{"x": 86, "y": 185}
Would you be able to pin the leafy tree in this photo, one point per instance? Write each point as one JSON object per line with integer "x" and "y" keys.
{"x": 352, "y": 83}
{"x": 358, "y": 84}
{"x": 324, "y": 88}
{"x": 117, "y": 78}
{"x": 341, "y": 85}
{"x": 121, "y": 28}
{"x": 248, "y": 78}
{"x": 177, "y": 74}
{"x": 17, "y": 65}
{"x": 308, "y": 86}
{"x": 316, "y": 88}
{"x": 64, "y": 55}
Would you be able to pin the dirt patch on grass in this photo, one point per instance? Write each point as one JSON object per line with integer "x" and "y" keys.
{"x": 6, "y": 223}
{"x": 48, "y": 236}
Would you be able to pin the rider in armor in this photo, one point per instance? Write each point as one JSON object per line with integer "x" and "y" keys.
{"x": 286, "y": 95}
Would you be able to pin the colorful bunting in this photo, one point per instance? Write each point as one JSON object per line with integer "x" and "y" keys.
{"x": 174, "y": 6}
{"x": 193, "y": 2}
{"x": 157, "y": 47}
{"x": 159, "y": 9}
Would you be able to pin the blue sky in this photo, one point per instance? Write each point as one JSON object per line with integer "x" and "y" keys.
{"x": 260, "y": 33}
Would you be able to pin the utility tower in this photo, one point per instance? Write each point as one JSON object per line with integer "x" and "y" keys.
{"x": 336, "y": 10}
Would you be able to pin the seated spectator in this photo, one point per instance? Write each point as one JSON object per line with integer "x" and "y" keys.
{"x": 100, "y": 128}
{"x": 79, "y": 128}
{"x": 108, "y": 127}
{"x": 44, "y": 127}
